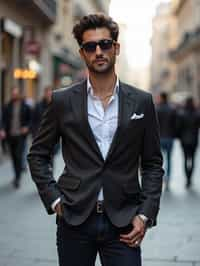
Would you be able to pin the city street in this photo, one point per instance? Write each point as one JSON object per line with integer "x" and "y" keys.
{"x": 27, "y": 233}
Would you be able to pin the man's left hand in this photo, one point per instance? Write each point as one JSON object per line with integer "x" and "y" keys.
{"x": 135, "y": 237}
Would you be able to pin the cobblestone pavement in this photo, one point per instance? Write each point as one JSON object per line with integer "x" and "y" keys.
{"x": 27, "y": 233}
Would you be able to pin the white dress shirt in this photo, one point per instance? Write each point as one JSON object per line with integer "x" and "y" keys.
{"x": 103, "y": 122}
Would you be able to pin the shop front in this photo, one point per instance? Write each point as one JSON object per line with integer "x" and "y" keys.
{"x": 66, "y": 68}
{"x": 10, "y": 55}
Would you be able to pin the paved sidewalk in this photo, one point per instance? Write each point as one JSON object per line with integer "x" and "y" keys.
{"x": 27, "y": 233}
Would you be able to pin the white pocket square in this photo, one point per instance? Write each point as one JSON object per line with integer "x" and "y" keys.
{"x": 135, "y": 116}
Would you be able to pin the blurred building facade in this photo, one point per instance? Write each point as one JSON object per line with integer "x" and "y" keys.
{"x": 122, "y": 66}
{"x": 181, "y": 49}
{"x": 163, "y": 69}
{"x": 186, "y": 55}
{"x": 24, "y": 45}
{"x": 67, "y": 65}
{"x": 36, "y": 44}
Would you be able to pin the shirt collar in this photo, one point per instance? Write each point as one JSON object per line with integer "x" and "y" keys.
{"x": 91, "y": 91}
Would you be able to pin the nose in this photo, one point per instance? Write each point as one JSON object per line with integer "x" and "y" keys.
{"x": 98, "y": 50}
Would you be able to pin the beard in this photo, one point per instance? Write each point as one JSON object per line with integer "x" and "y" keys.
{"x": 101, "y": 65}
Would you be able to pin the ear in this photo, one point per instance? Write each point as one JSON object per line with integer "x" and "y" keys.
{"x": 117, "y": 48}
{"x": 81, "y": 53}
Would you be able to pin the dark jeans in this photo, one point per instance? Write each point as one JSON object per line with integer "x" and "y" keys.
{"x": 166, "y": 146}
{"x": 78, "y": 245}
{"x": 189, "y": 158}
{"x": 16, "y": 145}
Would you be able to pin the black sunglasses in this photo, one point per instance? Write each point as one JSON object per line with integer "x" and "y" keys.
{"x": 90, "y": 47}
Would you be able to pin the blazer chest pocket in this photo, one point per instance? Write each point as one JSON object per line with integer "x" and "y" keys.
{"x": 69, "y": 183}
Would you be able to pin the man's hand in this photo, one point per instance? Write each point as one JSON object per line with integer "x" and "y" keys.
{"x": 58, "y": 209}
{"x": 135, "y": 237}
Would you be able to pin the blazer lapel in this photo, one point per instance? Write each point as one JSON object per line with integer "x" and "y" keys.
{"x": 127, "y": 106}
{"x": 79, "y": 106}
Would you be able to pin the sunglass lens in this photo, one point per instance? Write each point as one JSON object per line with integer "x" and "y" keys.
{"x": 105, "y": 44}
{"x": 90, "y": 46}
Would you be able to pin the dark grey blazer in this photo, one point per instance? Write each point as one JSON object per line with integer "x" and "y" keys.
{"x": 135, "y": 145}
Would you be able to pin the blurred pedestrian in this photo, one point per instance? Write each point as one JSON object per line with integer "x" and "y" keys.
{"x": 188, "y": 123}
{"x": 30, "y": 102}
{"x": 99, "y": 203}
{"x": 2, "y": 132}
{"x": 16, "y": 118}
{"x": 39, "y": 109}
{"x": 167, "y": 119}
{"x": 2, "y": 138}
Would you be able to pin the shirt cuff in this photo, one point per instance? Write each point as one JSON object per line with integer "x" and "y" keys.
{"x": 53, "y": 205}
{"x": 149, "y": 222}
{"x": 143, "y": 217}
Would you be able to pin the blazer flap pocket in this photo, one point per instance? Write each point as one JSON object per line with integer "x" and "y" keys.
{"x": 131, "y": 188}
{"x": 69, "y": 182}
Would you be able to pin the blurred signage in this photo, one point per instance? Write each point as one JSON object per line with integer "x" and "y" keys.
{"x": 32, "y": 47}
{"x": 20, "y": 73}
{"x": 12, "y": 28}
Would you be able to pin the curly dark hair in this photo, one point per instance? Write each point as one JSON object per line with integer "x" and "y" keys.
{"x": 94, "y": 21}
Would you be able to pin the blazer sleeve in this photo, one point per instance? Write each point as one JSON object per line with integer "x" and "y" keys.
{"x": 40, "y": 157}
{"x": 151, "y": 165}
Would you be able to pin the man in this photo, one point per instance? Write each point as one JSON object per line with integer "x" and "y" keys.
{"x": 2, "y": 138}
{"x": 108, "y": 130}
{"x": 188, "y": 124}
{"x": 39, "y": 109}
{"x": 16, "y": 118}
{"x": 167, "y": 121}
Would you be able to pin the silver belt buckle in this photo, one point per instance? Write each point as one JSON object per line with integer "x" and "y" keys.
{"x": 99, "y": 207}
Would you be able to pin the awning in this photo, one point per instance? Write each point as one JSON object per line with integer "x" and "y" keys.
{"x": 66, "y": 56}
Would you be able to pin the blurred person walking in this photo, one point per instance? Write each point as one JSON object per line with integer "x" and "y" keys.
{"x": 16, "y": 118}
{"x": 30, "y": 102}
{"x": 188, "y": 123}
{"x": 108, "y": 129}
{"x": 2, "y": 140}
{"x": 167, "y": 120}
{"x": 39, "y": 109}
